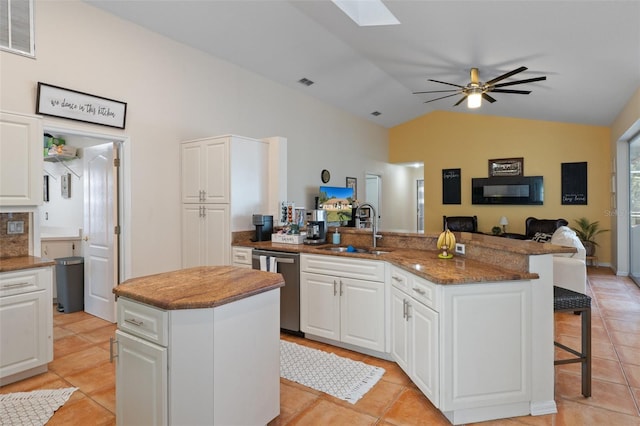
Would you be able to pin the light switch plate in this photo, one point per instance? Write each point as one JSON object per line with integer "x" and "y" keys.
{"x": 15, "y": 227}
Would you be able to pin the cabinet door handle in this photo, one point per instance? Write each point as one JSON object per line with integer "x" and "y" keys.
{"x": 112, "y": 342}
{"x": 419, "y": 291}
{"x": 335, "y": 291}
{"x": 408, "y": 310}
{"x": 15, "y": 285}
{"x": 340, "y": 287}
{"x": 404, "y": 308}
{"x": 396, "y": 278}
{"x": 134, "y": 321}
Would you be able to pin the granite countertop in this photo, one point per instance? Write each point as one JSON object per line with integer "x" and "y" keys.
{"x": 488, "y": 258}
{"x": 200, "y": 287}
{"x": 424, "y": 263}
{"x": 18, "y": 263}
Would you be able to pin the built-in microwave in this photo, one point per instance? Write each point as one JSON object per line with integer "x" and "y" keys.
{"x": 507, "y": 190}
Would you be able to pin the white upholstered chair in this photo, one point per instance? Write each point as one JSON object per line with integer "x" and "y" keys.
{"x": 569, "y": 269}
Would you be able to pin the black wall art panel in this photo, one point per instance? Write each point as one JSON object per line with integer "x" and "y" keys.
{"x": 451, "y": 186}
{"x": 574, "y": 183}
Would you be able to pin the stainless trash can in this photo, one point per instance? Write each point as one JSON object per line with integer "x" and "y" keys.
{"x": 70, "y": 283}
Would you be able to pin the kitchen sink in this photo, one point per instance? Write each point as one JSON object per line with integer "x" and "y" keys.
{"x": 343, "y": 249}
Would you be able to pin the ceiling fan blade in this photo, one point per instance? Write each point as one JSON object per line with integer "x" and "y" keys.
{"x": 460, "y": 101}
{"x": 442, "y": 97}
{"x": 519, "y": 92}
{"x": 488, "y": 98}
{"x": 528, "y": 80}
{"x": 506, "y": 75}
{"x": 444, "y": 82}
{"x": 436, "y": 91}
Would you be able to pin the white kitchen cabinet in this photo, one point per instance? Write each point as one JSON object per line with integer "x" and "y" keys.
{"x": 241, "y": 257}
{"x": 225, "y": 170}
{"x": 26, "y": 323}
{"x": 198, "y": 366}
{"x": 466, "y": 346}
{"x": 343, "y": 299}
{"x": 141, "y": 374}
{"x": 205, "y": 235}
{"x": 21, "y": 153}
{"x": 414, "y": 343}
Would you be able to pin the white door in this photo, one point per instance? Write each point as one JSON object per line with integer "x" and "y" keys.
{"x": 634, "y": 211}
{"x": 100, "y": 238}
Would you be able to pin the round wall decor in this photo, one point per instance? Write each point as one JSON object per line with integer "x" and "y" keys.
{"x": 325, "y": 176}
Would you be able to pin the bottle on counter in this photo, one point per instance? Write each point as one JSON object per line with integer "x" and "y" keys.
{"x": 336, "y": 237}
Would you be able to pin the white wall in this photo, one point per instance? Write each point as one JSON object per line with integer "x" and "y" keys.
{"x": 176, "y": 93}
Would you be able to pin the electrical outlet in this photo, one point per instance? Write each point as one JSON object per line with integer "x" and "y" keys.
{"x": 459, "y": 248}
{"x": 15, "y": 227}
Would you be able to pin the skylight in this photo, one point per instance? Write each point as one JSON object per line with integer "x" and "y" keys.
{"x": 367, "y": 13}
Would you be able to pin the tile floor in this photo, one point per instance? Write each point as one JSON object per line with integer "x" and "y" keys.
{"x": 81, "y": 359}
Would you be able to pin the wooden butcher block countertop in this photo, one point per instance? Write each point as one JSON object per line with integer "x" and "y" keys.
{"x": 200, "y": 287}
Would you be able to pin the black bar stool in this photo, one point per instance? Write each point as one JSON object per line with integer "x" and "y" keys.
{"x": 565, "y": 300}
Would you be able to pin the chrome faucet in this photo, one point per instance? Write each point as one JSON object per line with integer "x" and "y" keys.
{"x": 374, "y": 222}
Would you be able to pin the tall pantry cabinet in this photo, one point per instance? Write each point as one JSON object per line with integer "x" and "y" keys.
{"x": 225, "y": 180}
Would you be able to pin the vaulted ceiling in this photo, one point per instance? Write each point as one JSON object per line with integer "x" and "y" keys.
{"x": 589, "y": 51}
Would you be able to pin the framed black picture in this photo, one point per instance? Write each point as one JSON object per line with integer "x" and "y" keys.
{"x": 451, "y": 186}
{"x": 574, "y": 183}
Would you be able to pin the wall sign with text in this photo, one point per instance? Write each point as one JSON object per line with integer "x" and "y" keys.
{"x": 574, "y": 183}
{"x": 451, "y": 186}
{"x": 73, "y": 105}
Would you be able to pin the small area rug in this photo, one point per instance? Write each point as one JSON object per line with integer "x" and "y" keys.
{"x": 32, "y": 408}
{"x": 327, "y": 372}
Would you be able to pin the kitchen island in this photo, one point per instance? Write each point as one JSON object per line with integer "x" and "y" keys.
{"x": 199, "y": 346}
{"x": 474, "y": 333}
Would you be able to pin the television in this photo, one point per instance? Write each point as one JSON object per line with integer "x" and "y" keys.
{"x": 337, "y": 202}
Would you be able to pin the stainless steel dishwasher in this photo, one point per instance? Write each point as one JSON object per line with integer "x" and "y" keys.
{"x": 287, "y": 264}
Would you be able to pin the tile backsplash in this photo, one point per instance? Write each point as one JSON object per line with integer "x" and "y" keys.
{"x": 12, "y": 245}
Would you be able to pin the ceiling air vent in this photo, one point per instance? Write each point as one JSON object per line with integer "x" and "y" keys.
{"x": 305, "y": 81}
{"x": 376, "y": 113}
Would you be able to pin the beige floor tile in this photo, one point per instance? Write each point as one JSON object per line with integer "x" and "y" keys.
{"x": 86, "y": 325}
{"x": 632, "y": 372}
{"x": 293, "y": 400}
{"x": 83, "y": 411}
{"x": 79, "y": 361}
{"x": 626, "y": 339}
{"x": 94, "y": 379}
{"x": 571, "y": 413}
{"x": 323, "y": 412}
{"x": 70, "y": 344}
{"x": 628, "y": 355}
{"x": 601, "y": 369}
{"x": 610, "y": 396}
{"x": 413, "y": 408}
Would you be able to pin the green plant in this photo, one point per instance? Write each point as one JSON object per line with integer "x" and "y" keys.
{"x": 587, "y": 230}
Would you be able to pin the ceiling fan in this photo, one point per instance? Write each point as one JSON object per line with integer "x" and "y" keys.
{"x": 475, "y": 91}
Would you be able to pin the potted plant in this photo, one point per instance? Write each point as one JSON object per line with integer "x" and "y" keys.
{"x": 587, "y": 231}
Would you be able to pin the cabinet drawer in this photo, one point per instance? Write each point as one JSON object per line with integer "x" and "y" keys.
{"x": 143, "y": 321}
{"x": 25, "y": 281}
{"x": 361, "y": 269}
{"x": 241, "y": 255}
{"x": 425, "y": 292}
{"x": 401, "y": 279}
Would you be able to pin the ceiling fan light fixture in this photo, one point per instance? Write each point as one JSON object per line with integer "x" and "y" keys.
{"x": 474, "y": 99}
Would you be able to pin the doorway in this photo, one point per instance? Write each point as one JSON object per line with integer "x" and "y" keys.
{"x": 373, "y": 193}
{"x": 99, "y": 211}
{"x": 420, "y": 204}
{"x": 634, "y": 209}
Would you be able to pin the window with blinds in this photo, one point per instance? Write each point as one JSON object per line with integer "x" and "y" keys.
{"x": 16, "y": 26}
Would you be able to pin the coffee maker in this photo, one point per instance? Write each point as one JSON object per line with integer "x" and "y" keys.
{"x": 316, "y": 227}
{"x": 264, "y": 227}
